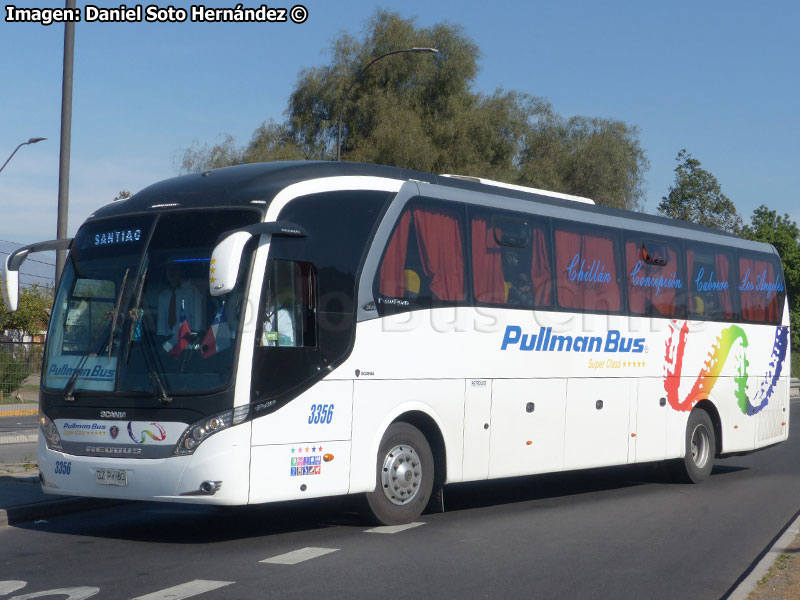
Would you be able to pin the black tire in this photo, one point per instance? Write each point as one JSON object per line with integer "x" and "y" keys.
{"x": 701, "y": 445}
{"x": 403, "y": 474}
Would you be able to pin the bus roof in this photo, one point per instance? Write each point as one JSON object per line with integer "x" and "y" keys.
{"x": 255, "y": 185}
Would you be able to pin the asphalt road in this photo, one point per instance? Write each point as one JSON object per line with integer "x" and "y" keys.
{"x": 606, "y": 533}
{"x": 17, "y": 438}
{"x": 12, "y": 424}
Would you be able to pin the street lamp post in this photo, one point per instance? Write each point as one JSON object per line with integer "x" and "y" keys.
{"x": 355, "y": 79}
{"x": 30, "y": 141}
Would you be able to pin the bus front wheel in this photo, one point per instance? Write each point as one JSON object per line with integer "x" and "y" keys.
{"x": 698, "y": 460}
{"x": 404, "y": 476}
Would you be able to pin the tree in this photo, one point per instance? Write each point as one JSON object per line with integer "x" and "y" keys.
{"x": 123, "y": 195}
{"x": 783, "y": 233}
{"x": 697, "y": 197}
{"x": 419, "y": 111}
{"x": 33, "y": 311}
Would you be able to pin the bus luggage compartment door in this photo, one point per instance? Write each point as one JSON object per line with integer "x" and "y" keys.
{"x": 527, "y": 426}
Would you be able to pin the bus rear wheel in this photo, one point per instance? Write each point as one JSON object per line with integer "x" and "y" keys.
{"x": 698, "y": 460}
{"x": 404, "y": 476}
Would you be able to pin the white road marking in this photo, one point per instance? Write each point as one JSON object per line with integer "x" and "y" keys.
{"x": 298, "y": 556}
{"x": 76, "y": 593}
{"x": 6, "y": 587}
{"x": 185, "y": 590}
{"x": 393, "y": 528}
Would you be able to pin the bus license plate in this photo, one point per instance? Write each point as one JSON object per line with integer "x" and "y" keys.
{"x": 112, "y": 477}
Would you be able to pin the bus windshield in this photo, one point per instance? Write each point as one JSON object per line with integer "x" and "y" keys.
{"x": 133, "y": 313}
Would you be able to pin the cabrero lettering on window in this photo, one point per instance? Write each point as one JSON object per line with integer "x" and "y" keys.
{"x": 669, "y": 282}
{"x": 762, "y": 284}
{"x": 595, "y": 273}
{"x": 709, "y": 285}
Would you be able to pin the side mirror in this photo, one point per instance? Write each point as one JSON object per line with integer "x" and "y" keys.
{"x": 227, "y": 254}
{"x": 10, "y": 286}
{"x": 14, "y": 262}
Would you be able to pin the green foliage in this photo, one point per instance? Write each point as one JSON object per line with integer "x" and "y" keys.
{"x": 33, "y": 312}
{"x": 418, "y": 110}
{"x": 697, "y": 197}
{"x": 13, "y": 371}
{"x": 783, "y": 233}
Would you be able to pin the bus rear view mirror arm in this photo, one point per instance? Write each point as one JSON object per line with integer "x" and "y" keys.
{"x": 14, "y": 262}
{"x": 227, "y": 253}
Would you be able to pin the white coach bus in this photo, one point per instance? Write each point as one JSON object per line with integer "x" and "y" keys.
{"x": 294, "y": 330}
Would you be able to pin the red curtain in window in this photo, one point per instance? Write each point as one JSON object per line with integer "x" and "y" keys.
{"x": 586, "y": 272}
{"x": 757, "y": 305}
{"x": 723, "y": 270}
{"x": 771, "y": 310}
{"x": 541, "y": 275}
{"x": 637, "y": 294}
{"x": 600, "y": 295}
{"x": 392, "y": 282}
{"x": 487, "y": 264}
{"x": 440, "y": 250}
{"x": 661, "y": 299}
{"x": 568, "y": 245}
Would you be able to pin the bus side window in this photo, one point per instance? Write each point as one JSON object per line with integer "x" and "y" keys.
{"x": 423, "y": 262}
{"x": 656, "y": 283}
{"x": 711, "y": 278}
{"x": 586, "y": 268}
{"x": 510, "y": 260}
{"x": 288, "y": 314}
{"x": 761, "y": 288}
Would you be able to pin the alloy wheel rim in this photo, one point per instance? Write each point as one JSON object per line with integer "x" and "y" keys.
{"x": 401, "y": 474}
{"x": 700, "y": 446}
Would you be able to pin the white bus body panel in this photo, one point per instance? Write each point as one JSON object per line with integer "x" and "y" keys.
{"x": 598, "y": 413}
{"x": 650, "y": 417}
{"x": 458, "y": 350}
{"x": 290, "y": 449}
{"x": 477, "y": 429}
{"x": 376, "y": 404}
{"x": 526, "y": 442}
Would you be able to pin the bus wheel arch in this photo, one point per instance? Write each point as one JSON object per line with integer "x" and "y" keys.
{"x": 408, "y": 468}
{"x": 708, "y": 406}
{"x": 430, "y": 429}
{"x": 701, "y": 445}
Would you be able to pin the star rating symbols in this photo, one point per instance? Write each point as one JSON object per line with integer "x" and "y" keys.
{"x": 213, "y": 270}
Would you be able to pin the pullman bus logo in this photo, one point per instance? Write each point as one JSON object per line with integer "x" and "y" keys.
{"x": 545, "y": 341}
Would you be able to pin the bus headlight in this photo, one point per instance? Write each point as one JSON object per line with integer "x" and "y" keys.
{"x": 50, "y": 432}
{"x": 198, "y": 432}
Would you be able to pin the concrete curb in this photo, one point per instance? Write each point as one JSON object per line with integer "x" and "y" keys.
{"x": 52, "y": 508}
{"x": 749, "y": 583}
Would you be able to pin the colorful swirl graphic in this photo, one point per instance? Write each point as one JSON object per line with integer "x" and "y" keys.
{"x": 716, "y": 359}
{"x": 148, "y": 433}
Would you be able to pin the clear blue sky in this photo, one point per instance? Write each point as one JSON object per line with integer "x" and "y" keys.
{"x": 719, "y": 78}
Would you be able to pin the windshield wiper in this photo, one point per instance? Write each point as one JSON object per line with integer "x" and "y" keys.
{"x": 108, "y": 339}
{"x": 134, "y": 313}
